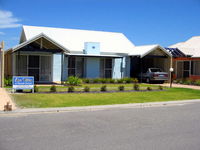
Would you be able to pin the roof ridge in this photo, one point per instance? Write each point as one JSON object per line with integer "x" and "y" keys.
{"x": 71, "y": 29}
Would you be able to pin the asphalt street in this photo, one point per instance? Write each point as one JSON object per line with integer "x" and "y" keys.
{"x": 151, "y": 128}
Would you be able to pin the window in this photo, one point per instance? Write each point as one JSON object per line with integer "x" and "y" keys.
{"x": 71, "y": 66}
{"x": 106, "y": 68}
{"x": 76, "y": 66}
{"x": 196, "y": 67}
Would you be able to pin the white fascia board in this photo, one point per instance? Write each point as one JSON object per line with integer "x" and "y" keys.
{"x": 36, "y": 38}
{"x": 93, "y": 55}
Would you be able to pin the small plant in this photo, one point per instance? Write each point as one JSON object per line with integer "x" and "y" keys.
{"x": 86, "y": 89}
{"x": 197, "y": 82}
{"x": 36, "y": 89}
{"x": 135, "y": 80}
{"x": 149, "y": 89}
{"x": 112, "y": 80}
{"x": 120, "y": 80}
{"x": 127, "y": 80}
{"x": 160, "y": 87}
{"x": 103, "y": 80}
{"x": 96, "y": 80}
{"x": 136, "y": 87}
{"x": 53, "y": 88}
{"x": 121, "y": 88}
{"x": 86, "y": 80}
{"x": 103, "y": 88}
{"x": 71, "y": 89}
{"x": 72, "y": 80}
{"x": 8, "y": 81}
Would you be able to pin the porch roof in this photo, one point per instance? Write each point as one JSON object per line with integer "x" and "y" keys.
{"x": 145, "y": 50}
{"x": 41, "y": 35}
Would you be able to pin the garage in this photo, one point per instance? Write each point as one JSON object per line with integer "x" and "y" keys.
{"x": 151, "y": 56}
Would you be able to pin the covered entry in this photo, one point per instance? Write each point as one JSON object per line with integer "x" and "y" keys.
{"x": 39, "y": 57}
{"x": 153, "y": 56}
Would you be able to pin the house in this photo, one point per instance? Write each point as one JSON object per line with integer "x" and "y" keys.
{"x": 53, "y": 54}
{"x": 188, "y": 65}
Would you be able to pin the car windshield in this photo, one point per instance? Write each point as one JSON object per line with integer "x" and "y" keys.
{"x": 155, "y": 70}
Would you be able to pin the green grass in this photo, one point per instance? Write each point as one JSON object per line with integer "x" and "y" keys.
{"x": 88, "y": 99}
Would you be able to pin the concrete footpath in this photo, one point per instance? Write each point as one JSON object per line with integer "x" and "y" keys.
{"x": 4, "y": 98}
{"x": 101, "y": 107}
{"x": 182, "y": 86}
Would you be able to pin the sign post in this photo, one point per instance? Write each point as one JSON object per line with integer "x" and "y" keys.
{"x": 23, "y": 82}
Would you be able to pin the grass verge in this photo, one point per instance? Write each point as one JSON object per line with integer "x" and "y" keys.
{"x": 89, "y": 99}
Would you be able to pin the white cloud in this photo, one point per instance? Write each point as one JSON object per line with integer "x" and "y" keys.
{"x": 2, "y": 33}
{"x": 7, "y": 20}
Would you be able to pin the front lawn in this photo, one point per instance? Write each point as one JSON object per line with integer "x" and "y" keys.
{"x": 87, "y": 99}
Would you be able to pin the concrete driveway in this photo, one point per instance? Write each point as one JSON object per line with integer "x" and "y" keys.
{"x": 4, "y": 98}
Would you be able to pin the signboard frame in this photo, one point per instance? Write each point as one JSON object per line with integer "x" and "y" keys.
{"x": 23, "y": 82}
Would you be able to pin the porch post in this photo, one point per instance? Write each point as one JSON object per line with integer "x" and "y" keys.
{"x": 2, "y": 64}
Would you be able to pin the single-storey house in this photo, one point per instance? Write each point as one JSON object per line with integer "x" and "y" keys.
{"x": 54, "y": 54}
{"x": 188, "y": 65}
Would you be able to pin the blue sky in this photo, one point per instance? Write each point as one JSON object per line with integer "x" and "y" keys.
{"x": 163, "y": 22}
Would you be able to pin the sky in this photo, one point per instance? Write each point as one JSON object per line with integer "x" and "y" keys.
{"x": 144, "y": 22}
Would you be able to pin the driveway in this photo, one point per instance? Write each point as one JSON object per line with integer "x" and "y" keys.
{"x": 4, "y": 98}
{"x": 149, "y": 128}
{"x": 181, "y": 86}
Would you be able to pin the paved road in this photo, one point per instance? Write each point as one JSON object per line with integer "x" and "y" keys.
{"x": 152, "y": 128}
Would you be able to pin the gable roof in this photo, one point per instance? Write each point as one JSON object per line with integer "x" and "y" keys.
{"x": 146, "y": 49}
{"x": 41, "y": 35}
{"x": 189, "y": 47}
{"x": 73, "y": 39}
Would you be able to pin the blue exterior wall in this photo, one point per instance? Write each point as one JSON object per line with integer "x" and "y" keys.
{"x": 65, "y": 68}
{"x": 92, "y": 48}
{"x": 92, "y": 67}
{"x": 57, "y": 67}
{"x": 117, "y": 68}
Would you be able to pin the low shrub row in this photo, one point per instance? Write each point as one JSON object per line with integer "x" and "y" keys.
{"x": 188, "y": 81}
{"x": 103, "y": 88}
{"x": 108, "y": 80}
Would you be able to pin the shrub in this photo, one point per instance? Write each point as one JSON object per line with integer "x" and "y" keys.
{"x": 71, "y": 89}
{"x": 86, "y": 80}
{"x": 160, "y": 87}
{"x": 72, "y": 80}
{"x": 36, "y": 89}
{"x": 120, "y": 80}
{"x": 112, "y": 80}
{"x": 96, "y": 80}
{"x": 103, "y": 80}
{"x": 8, "y": 81}
{"x": 121, "y": 88}
{"x": 197, "y": 82}
{"x": 136, "y": 87}
{"x": 53, "y": 88}
{"x": 135, "y": 80}
{"x": 149, "y": 89}
{"x": 103, "y": 88}
{"x": 127, "y": 80}
{"x": 86, "y": 89}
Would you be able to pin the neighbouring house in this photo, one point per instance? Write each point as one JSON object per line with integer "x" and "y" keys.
{"x": 54, "y": 54}
{"x": 187, "y": 65}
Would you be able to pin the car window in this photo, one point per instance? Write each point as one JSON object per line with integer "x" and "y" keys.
{"x": 155, "y": 70}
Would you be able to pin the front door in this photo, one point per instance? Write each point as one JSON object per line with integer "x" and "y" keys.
{"x": 34, "y": 66}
